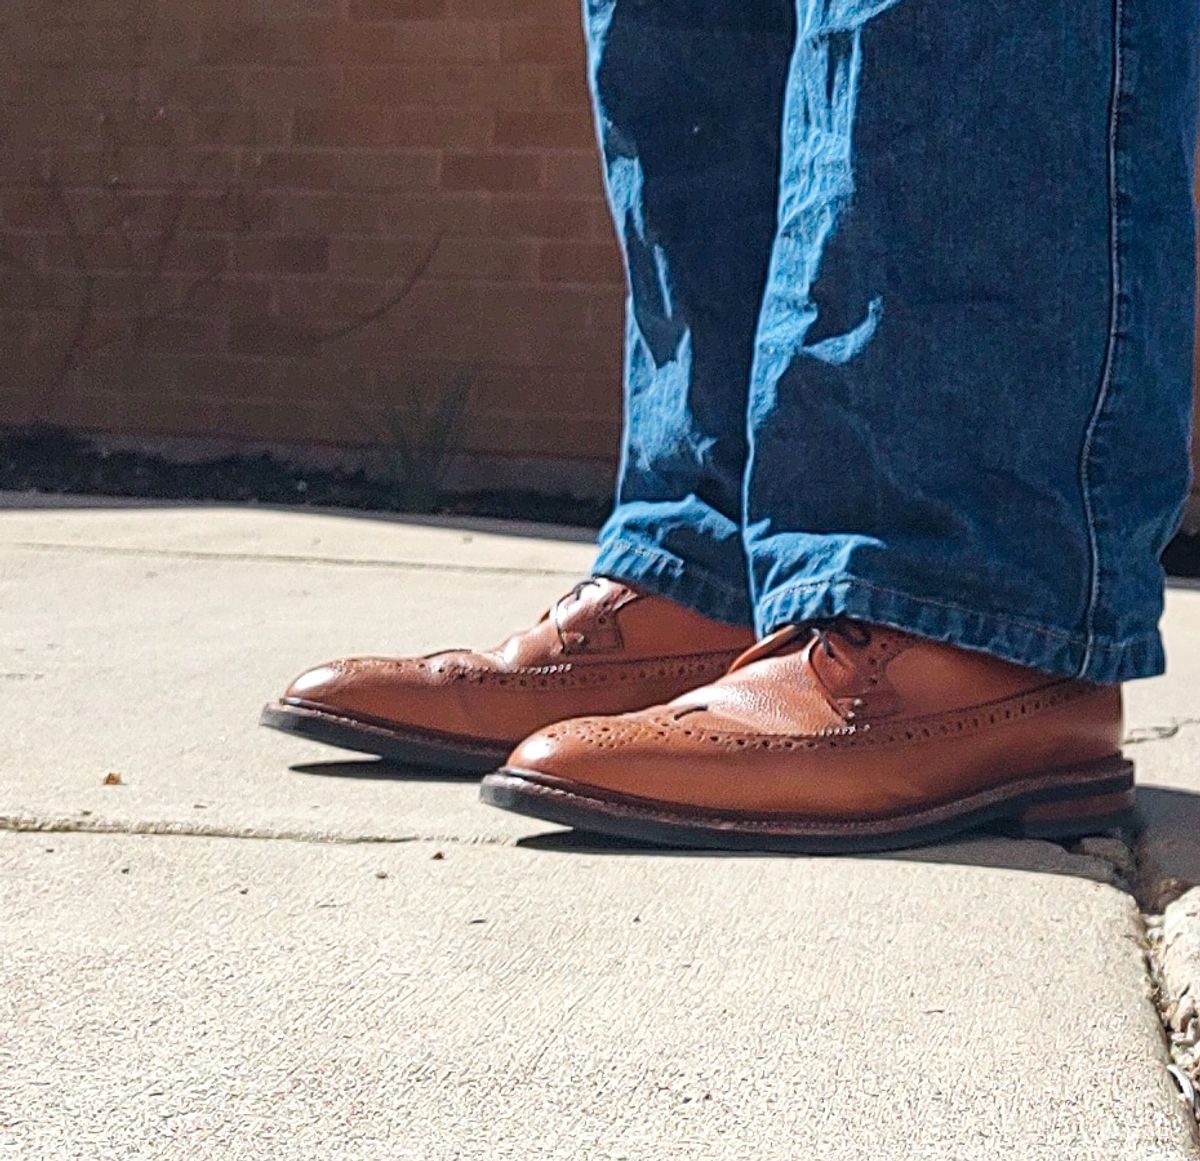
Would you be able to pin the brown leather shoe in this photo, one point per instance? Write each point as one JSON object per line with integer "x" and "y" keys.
{"x": 837, "y": 738}
{"x": 604, "y": 648}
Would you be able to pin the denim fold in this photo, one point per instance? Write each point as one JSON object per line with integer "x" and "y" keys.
{"x": 911, "y": 313}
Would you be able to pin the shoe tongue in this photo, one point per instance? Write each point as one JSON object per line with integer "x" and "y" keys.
{"x": 789, "y": 639}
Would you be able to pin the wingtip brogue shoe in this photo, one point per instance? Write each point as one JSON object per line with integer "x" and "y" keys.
{"x": 836, "y": 738}
{"x": 603, "y": 648}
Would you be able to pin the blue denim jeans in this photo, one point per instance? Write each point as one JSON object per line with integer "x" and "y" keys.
{"x": 910, "y": 313}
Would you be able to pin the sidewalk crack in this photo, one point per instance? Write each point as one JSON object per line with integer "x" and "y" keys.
{"x": 1143, "y": 734}
{"x": 30, "y": 824}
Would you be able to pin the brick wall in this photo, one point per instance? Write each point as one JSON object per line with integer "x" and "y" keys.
{"x": 286, "y": 220}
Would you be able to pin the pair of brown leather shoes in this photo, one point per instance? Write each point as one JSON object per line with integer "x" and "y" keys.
{"x": 820, "y": 738}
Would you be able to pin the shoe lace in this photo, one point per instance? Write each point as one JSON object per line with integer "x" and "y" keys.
{"x": 855, "y": 633}
{"x": 556, "y": 610}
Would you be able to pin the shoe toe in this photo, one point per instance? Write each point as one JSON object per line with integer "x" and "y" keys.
{"x": 409, "y": 693}
{"x": 316, "y": 684}
{"x": 372, "y": 687}
{"x": 596, "y": 751}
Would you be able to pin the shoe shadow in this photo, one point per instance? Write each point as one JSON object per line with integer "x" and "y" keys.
{"x": 379, "y": 770}
{"x": 1168, "y": 845}
{"x": 1102, "y": 858}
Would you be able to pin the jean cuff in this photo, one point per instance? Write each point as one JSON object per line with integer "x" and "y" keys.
{"x": 1009, "y": 638}
{"x": 646, "y": 566}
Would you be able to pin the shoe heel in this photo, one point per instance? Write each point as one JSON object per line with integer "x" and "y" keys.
{"x": 1072, "y": 817}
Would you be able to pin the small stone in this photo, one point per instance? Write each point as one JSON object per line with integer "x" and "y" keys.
{"x": 438, "y": 856}
{"x": 381, "y": 874}
{"x": 113, "y": 778}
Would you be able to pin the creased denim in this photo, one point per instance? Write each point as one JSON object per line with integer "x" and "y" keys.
{"x": 911, "y": 312}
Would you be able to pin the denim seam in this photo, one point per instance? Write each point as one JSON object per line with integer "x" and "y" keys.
{"x": 1107, "y": 649}
{"x": 1106, "y": 377}
{"x": 855, "y": 582}
{"x": 657, "y": 556}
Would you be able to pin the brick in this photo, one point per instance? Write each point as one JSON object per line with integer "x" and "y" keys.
{"x": 326, "y": 305}
{"x": 34, "y": 291}
{"x": 491, "y": 171}
{"x": 390, "y": 170}
{"x": 32, "y": 208}
{"x": 236, "y": 211}
{"x": 434, "y": 320}
{"x": 579, "y": 350}
{"x": 247, "y": 42}
{"x": 159, "y": 410}
{"x": 22, "y": 251}
{"x": 21, "y": 164}
{"x": 417, "y": 41}
{"x": 254, "y": 127}
{"x": 539, "y": 218}
{"x": 377, "y": 259}
{"x": 542, "y": 12}
{"x": 607, "y": 314}
{"x": 484, "y": 260}
{"x": 584, "y": 394}
{"x": 16, "y": 328}
{"x": 268, "y": 335}
{"x": 25, "y": 125}
{"x": 67, "y": 86}
{"x": 144, "y": 165}
{"x": 447, "y": 83}
{"x": 396, "y": 9}
{"x": 70, "y": 43}
{"x": 291, "y": 84}
{"x": 544, "y": 128}
{"x": 224, "y": 377}
{"x": 291, "y": 9}
{"x": 420, "y": 41}
{"x": 360, "y": 170}
{"x": 574, "y": 172}
{"x": 452, "y": 214}
{"x": 185, "y": 334}
{"x": 293, "y": 255}
{"x": 568, "y": 87}
{"x": 212, "y": 85}
{"x": 293, "y": 169}
{"x": 133, "y": 293}
{"x": 549, "y": 44}
{"x": 581, "y": 262}
{"x": 183, "y": 254}
{"x": 347, "y": 125}
{"x": 340, "y": 42}
{"x": 228, "y": 293}
{"x": 533, "y": 309}
{"x": 328, "y": 214}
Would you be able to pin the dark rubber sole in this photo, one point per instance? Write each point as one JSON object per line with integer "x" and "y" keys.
{"x": 408, "y": 747}
{"x": 1054, "y": 805}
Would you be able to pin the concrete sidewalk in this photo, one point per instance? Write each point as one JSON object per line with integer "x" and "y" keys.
{"x": 256, "y": 948}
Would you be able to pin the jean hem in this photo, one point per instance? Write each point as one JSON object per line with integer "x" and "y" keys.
{"x": 1009, "y": 638}
{"x": 650, "y": 567}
